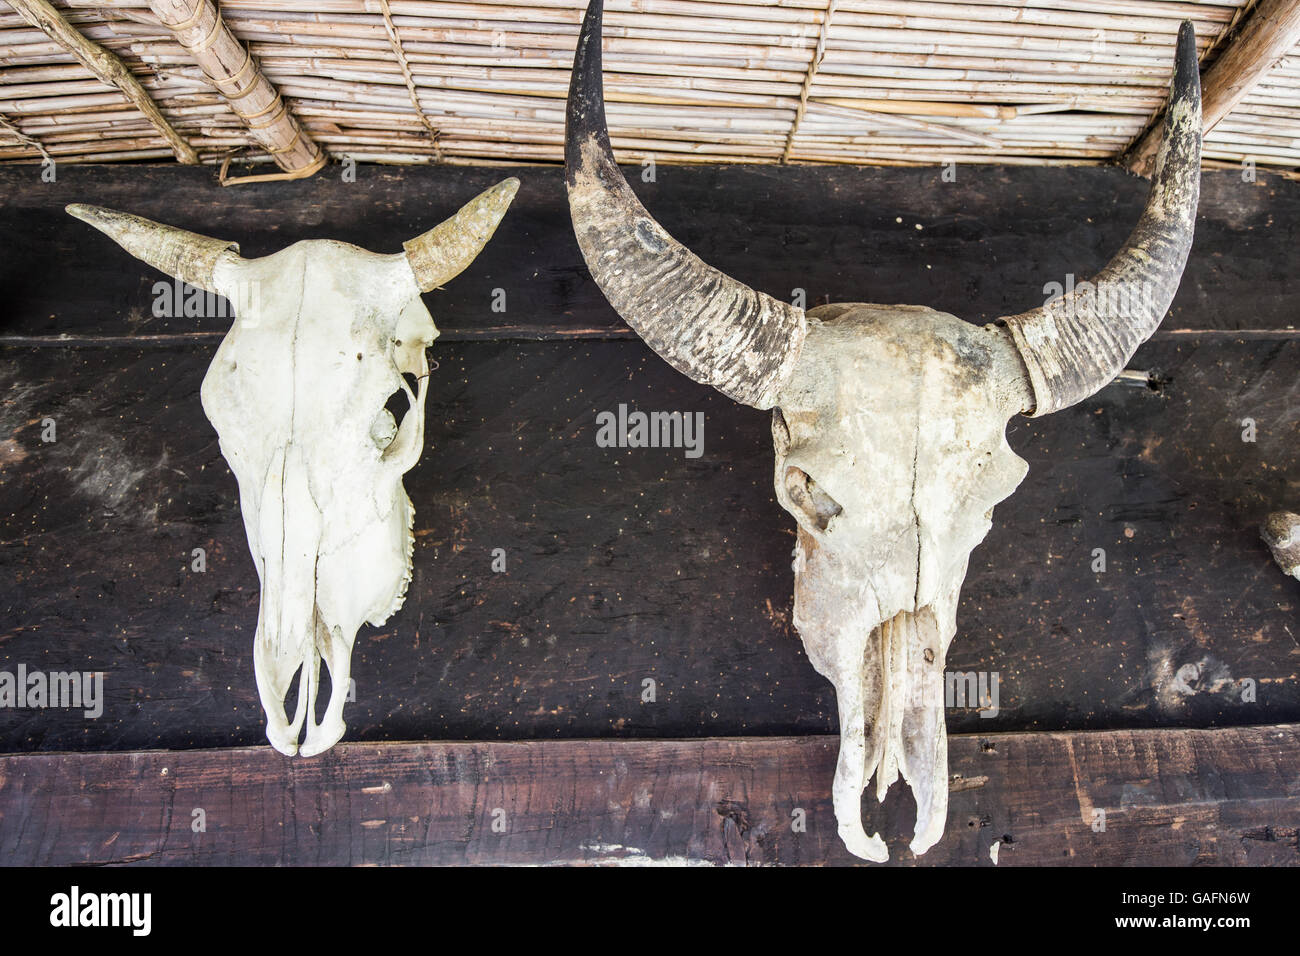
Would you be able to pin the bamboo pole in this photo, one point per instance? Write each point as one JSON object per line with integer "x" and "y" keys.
{"x": 105, "y": 65}
{"x": 1267, "y": 35}
{"x": 233, "y": 71}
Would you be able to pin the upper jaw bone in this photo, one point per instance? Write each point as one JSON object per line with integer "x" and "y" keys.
{"x": 889, "y": 687}
{"x": 276, "y": 676}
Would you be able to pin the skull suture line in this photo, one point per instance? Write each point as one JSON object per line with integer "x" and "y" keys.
{"x": 889, "y": 424}
{"x": 326, "y": 335}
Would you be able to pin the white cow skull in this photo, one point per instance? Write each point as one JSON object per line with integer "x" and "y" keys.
{"x": 327, "y": 335}
{"x": 889, "y": 427}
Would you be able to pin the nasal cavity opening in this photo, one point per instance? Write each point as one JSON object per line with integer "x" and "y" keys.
{"x": 297, "y": 691}
{"x": 324, "y": 692}
{"x": 299, "y": 695}
{"x": 808, "y": 497}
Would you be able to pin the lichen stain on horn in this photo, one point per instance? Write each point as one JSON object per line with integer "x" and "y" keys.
{"x": 889, "y": 428}
{"x": 317, "y": 395}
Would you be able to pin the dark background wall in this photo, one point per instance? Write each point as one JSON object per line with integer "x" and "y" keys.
{"x": 627, "y": 564}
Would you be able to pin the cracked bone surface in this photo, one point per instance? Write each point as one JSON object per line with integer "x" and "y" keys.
{"x": 888, "y": 423}
{"x": 327, "y": 339}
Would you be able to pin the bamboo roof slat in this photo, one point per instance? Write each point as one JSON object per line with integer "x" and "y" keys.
{"x": 107, "y": 68}
{"x": 895, "y": 82}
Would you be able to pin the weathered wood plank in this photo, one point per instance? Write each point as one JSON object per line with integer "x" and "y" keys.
{"x": 982, "y": 246}
{"x": 627, "y": 565}
{"x": 1165, "y": 797}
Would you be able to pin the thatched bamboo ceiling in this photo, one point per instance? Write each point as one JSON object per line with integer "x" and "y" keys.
{"x": 897, "y": 81}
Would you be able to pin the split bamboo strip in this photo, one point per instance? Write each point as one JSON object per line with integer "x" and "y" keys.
{"x": 907, "y": 122}
{"x": 922, "y": 108}
{"x": 24, "y": 138}
{"x": 1270, "y": 32}
{"x": 106, "y": 66}
{"x": 235, "y": 74}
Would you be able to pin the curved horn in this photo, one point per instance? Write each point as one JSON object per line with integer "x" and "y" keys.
{"x": 446, "y": 250}
{"x": 185, "y": 255}
{"x": 1077, "y": 343}
{"x": 707, "y": 325}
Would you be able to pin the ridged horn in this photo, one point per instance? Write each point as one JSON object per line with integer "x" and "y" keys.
{"x": 705, "y": 324}
{"x": 185, "y": 255}
{"x": 445, "y": 251}
{"x": 1077, "y": 343}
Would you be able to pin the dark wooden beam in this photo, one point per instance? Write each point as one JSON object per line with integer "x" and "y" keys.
{"x": 1126, "y": 798}
{"x": 1269, "y": 32}
{"x": 987, "y": 244}
{"x": 631, "y": 564}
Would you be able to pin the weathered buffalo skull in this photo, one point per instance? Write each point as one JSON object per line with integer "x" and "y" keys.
{"x": 1281, "y": 532}
{"x": 326, "y": 336}
{"x": 889, "y": 424}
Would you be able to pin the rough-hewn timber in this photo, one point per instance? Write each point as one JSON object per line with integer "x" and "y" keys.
{"x": 624, "y": 565}
{"x": 1171, "y": 797}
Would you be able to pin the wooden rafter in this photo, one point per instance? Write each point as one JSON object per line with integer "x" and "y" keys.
{"x": 106, "y": 65}
{"x": 1270, "y": 32}
{"x": 201, "y": 30}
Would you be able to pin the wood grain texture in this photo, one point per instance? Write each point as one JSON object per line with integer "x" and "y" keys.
{"x": 625, "y": 565}
{"x": 1123, "y": 798}
{"x": 981, "y": 247}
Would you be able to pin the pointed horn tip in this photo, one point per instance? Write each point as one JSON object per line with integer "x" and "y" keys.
{"x": 86, "y": 213}
{"x": 1187, "y": 70}
{"x": 496, "y": 198}
{"x": 505, "y": 190}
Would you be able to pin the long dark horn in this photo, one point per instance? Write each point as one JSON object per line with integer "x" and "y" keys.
{"x": 187, "y": 256}
{"x": 714, "y": 329}
{"x": 1075, "y": 344}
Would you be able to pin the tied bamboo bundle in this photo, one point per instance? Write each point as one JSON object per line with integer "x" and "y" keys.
{"x": 231, "y": 68}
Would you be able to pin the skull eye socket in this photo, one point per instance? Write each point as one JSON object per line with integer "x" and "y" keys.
{"x": 389, "y": 418}
{"x": 806, "y": 495}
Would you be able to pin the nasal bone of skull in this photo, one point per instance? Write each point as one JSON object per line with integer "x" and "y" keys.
{"x": 887, "y": 666}
{"x": 290, "y": 632}
{"x": 892, "y": 722}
